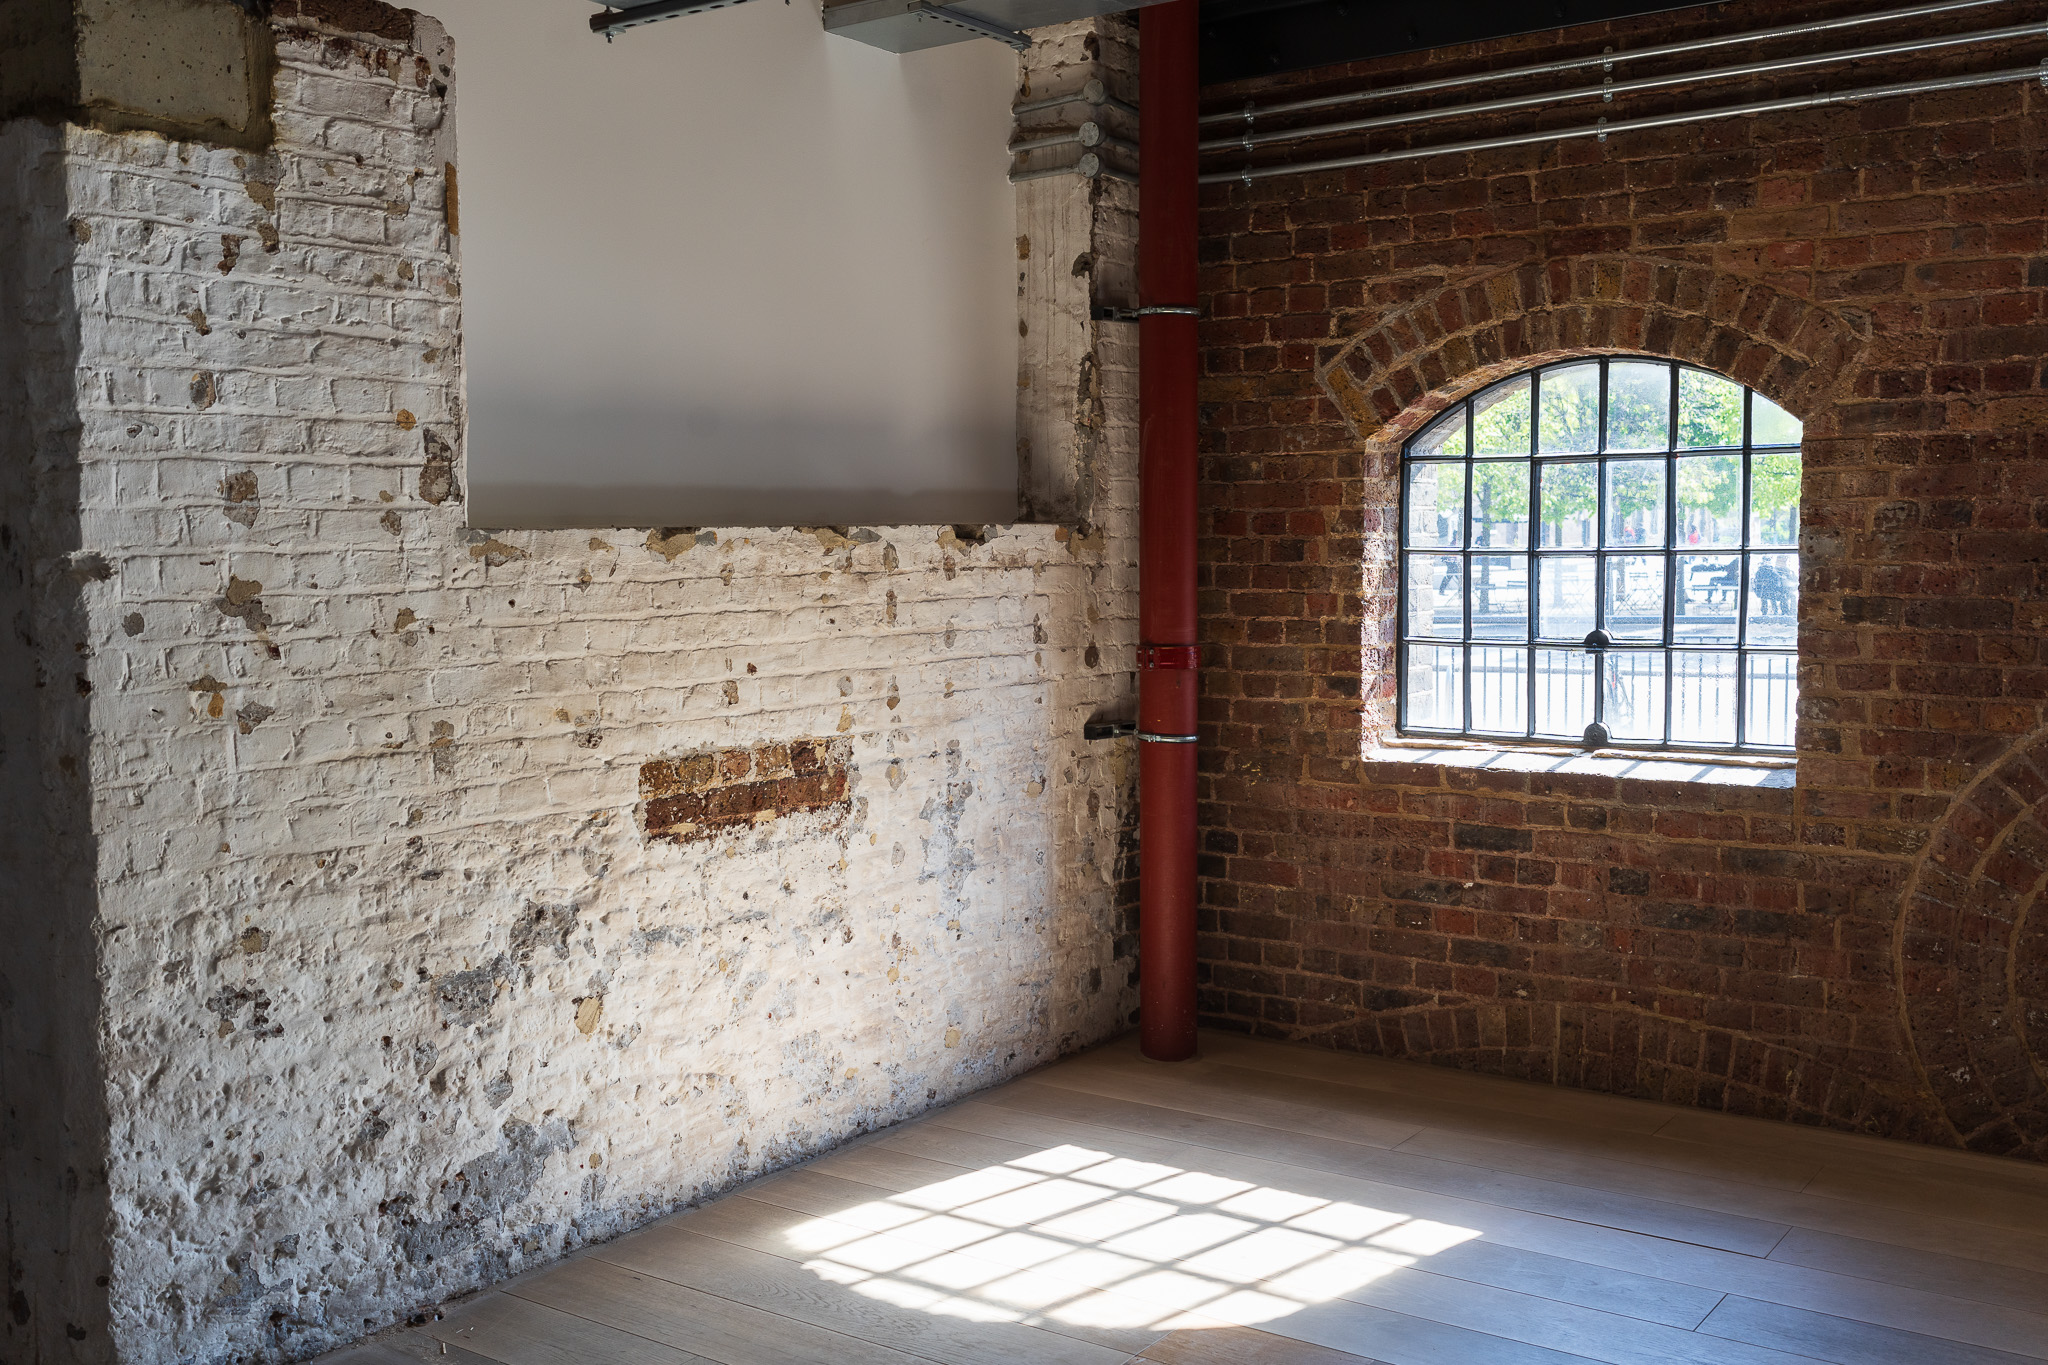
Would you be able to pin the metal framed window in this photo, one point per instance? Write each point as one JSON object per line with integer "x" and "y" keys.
{"x": 1603, "y": 551}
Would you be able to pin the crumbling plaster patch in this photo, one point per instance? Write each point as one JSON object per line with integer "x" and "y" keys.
{"x": 399, "y": 997}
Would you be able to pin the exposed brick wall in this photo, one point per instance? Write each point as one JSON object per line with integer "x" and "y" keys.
{"x": 696, "y": 796}
{"x": 399, "y": 995}
{"x": 1880, "y": 270}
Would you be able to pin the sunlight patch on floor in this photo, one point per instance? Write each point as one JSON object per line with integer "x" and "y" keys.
{"x": 1083, "y": 1237}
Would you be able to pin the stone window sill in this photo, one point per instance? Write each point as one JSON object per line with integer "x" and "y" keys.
{"x": 1725, "y": 770}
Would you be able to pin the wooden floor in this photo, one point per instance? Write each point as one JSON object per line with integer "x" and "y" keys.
{"x": 1271, "y": 1205}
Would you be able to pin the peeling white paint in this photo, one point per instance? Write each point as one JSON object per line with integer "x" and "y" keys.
{"x": 398, "y": 999}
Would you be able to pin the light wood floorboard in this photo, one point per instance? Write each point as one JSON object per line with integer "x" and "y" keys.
{"x": 763, "y": 1220}
{"x": 371, "y": 1353}
{"x": 1958, "y": 1277}
{"x": 1276, "y": 1205}
{"x": 1771, "y": 1152}
{"x": 691, "y": 1320}
{"x": 1481, "y": 1262}
{"x": 1912, "y": 1216}
{"x": 1552, "y": 1127}
{"x": 1244, "y": 1346}
{"x": 515, "y": 1331}
{"x": 2020, "y": 1318}
{"x": 1422, "y": 1175}
{"x": 726, "y": 1267}
{"x": 1843, "y": 1340}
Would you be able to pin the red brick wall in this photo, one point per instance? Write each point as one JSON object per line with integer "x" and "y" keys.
{"x": 1866, "y": 948}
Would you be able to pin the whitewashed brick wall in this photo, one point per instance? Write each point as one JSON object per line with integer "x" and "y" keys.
{"x": 364, "y": 779}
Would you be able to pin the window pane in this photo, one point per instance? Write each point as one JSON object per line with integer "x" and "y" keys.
{"x": 1774, "y": 499}
{"x": 1571, "y": 410}
{"x": 1710, "y": 500}
{"x": 1771, "y": 425}
{"x": 1500, "y": 597}
{"x": 1564, "y": 692}
{"x": 1635, "y": 694}
{"x": 1432, "y": 697}
{"x": 1638, "y": 406}
{"x": 1500, "y": 690}
{"x": 1445, "y": 437}
{"x": 1500, "y": 505}
{"x": 1773, "y": 683}
{"x": 1674, "y": 529}
{"x": 1709, "y": 411}
{"x": 1708, "y": 586}
{"x": 1436, "y": 596}
{"x": 1635, "y": 502}
{"x": 1436, "y": 504}
{"x": 1773, "y": 599}
{"x": 1564, "y": 610}
{"x": 1703, "y": 697}
{"x": 1500, "y": 419}
{"x": 1571, "y": 504}
{"x": 1635, "y": 597}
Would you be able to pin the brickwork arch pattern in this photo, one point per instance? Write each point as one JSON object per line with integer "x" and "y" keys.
{"x": 1972, "y": 957}
{"x": 1391, "y": 379}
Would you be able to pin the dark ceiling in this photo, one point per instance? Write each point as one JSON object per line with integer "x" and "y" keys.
{"x": 1242, "y": 38}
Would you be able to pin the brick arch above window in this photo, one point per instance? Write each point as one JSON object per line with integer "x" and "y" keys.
{"x": 1394, "y": 377}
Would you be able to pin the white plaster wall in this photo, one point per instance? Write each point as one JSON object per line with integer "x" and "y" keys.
{"x": 364, "y": 781}
{"x": 729, "y": 269}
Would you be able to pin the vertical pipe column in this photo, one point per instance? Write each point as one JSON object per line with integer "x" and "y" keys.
{"x": 1167, "y": 690}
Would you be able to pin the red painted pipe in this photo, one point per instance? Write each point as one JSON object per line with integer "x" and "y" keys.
{"x": 1167, "y": 689}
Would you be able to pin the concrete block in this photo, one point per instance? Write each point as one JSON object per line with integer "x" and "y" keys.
{"x": 198, "y": 69}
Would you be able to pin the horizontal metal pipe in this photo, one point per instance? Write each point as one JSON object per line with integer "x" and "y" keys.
{"x": 1080, "y": 168}
{"x": 1603, "y": 128}
{"x": 1056, "y": 140}
{"x": 1094, "y": 92}
{"x": 1250, "y": 112}
{"x": 1090, "y": 135}
{"x": 1760, "y": 68}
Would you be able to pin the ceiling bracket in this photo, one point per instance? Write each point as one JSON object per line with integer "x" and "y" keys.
{"x": 973, "y": 23}
{"x": 615, "y": 21}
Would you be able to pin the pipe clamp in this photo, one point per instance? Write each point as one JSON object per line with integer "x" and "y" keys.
{"x": 1169, "y": 656}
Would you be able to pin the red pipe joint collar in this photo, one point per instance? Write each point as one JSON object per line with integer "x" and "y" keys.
{"x": 1169, "y": 656}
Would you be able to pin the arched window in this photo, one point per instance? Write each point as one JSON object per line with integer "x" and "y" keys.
{"x": 1603, "y": 551}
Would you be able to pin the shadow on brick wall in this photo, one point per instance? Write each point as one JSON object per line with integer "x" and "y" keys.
{"x": 52, "y": 1113}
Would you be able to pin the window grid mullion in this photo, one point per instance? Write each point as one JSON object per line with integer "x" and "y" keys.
{"x": 1742, "y": 590}
{"x": 1671, "y": 556}
{"x": 1533, "y": 586}
{"x": 1466, "y": 536}
{"x": 1403, "y": 664}
{"x": 1599, "y": 586}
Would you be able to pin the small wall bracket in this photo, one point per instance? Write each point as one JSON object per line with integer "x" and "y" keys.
{"x": 616, "y": 21}
{"x": 1106, "y": 312}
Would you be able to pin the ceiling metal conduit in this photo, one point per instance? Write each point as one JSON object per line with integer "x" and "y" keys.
{"x": 1602, "y": 59}
{"x": 1603, "y": 128}
{"x": 1767, "y": 67}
